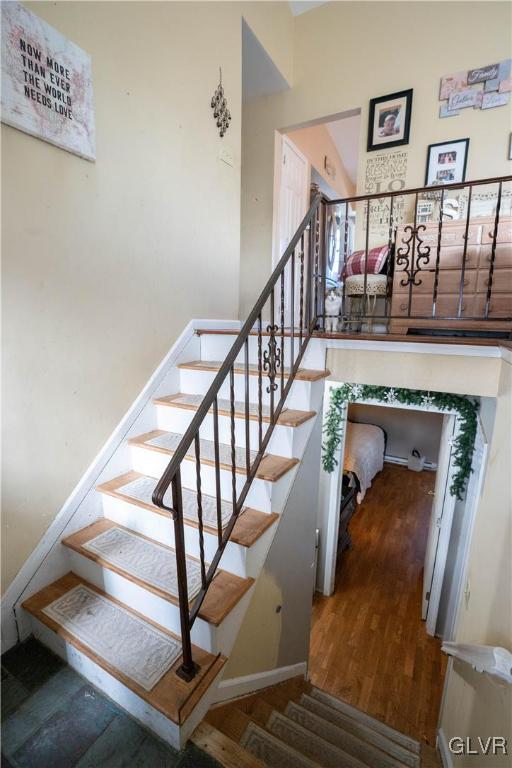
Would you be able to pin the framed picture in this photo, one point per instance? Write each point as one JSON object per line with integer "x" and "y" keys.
{"x": 389, "y": 120}
{"x": 446, "y": 162}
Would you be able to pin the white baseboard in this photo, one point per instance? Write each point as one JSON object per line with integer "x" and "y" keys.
{"x": 442, "y": 745}
{"x": 237, "y": 687}
{"x": 17, "y": 590}
{"x": 403, "y": 462}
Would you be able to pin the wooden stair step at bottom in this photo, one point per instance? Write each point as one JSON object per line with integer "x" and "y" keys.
{"x": 173, "y": 697}
{"x": 303, "y": 374}
{"x": 289, "y": 417}
{"x": 271, "y": 467}
{"x": 112, "y": 546}
{"x": 338, "y": 704}
{"x": 251, "y": 523}
{"x": 222, "y": 748}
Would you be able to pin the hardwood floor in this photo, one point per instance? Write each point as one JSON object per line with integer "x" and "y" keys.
{"x": 369, "y": 645}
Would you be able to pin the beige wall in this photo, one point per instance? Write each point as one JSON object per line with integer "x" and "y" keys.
{"x": 104, "y": 263}
{"x": 476, "y": 705}
{"x": 462, "y": 374}
{"x": 315, "y": 143}
{"x": 345, "y": 54}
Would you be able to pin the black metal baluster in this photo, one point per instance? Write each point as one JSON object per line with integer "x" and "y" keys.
{"x": 343, "y": 269}
{"x": 271, "y": 343}
{"x": 323, "y": 259}
{"x": 247, "y": 413}
{"x": 188, "y": 668}
{"x": 438, "y": 254}
{"x": 493, "y": 251}
{"x": 260, "y": 385}
{"x": 233, "y": 437}
{"x": 218, "y": 497}
{"x": 366, "y": 244}
{"x": 464, "y": 256}
{"x": 315, "y": 268}
{"x": 292, "y": 308}
{"x": 414, "y": 255}
{"x": 199, "y": 495}
{"x": 301, "y": 306}
{"x": 390, "y": 256}
{"x": 282, "y": 330}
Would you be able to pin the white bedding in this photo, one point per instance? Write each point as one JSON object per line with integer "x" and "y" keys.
{"x": 364, "y": 453}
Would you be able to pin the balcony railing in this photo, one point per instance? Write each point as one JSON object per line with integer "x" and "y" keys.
{"x": 434, "y": 260}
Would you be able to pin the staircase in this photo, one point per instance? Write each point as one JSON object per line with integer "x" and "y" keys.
{"x": 295, "y": 725}
{"x": 145, "y": 588}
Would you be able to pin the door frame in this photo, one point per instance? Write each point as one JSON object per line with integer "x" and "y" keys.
{"x": 330, "y": 493}
{"x": 280, "y": 140}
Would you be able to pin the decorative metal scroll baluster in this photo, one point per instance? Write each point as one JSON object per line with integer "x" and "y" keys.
{"x": 292, "y": 309}
{"x": 414, "y": 256}
{"x": 199, "y": 495}
{"x": 218, "y": 498}
{"x": 272, "y": 356}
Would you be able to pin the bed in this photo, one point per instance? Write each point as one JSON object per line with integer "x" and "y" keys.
{"x": 365, "y": 446}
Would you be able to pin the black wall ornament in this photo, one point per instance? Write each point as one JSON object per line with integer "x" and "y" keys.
{"x": 219, "y": 105}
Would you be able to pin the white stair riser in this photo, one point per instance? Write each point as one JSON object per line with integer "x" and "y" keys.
{"x": 153, "y": 463}
{"x": 142, "y": 600}
{"x": 216, "y": 347}
{"x": 140, "y": 709}
{"x": 197, "y": 382}
{"x": 242, "y": 561}
{"x": 285, "y": 441}
{"x": 161, "y": 528}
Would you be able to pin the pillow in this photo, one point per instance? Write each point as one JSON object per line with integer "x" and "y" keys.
{"x": 376, "y": 260}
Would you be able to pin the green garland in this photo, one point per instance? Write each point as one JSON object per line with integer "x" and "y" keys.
{"x": 465, "y": 407}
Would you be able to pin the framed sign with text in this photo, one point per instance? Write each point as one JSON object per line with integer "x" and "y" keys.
{"x": 46, "y": 83}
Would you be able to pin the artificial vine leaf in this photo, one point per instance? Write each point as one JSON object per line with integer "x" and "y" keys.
{"x": 466, "y": 408}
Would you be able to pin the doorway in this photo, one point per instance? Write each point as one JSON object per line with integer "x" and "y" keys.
{"x": 394, "y": 592}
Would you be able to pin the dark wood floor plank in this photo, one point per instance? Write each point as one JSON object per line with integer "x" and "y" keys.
{"x": 369, "y": 645}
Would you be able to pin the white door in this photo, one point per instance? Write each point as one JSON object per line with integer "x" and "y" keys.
{"x": 292, "y": 207}
{"x": 440, "y": 527}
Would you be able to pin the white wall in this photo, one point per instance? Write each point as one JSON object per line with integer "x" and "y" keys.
{"x": 406, "y": 429}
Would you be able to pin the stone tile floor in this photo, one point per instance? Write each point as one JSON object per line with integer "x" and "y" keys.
{"x": 53, "y": 718}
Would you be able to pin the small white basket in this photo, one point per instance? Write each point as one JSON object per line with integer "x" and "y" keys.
{"x": 416, "y": 461}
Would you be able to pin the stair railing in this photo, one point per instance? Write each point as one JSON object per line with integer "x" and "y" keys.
{"x": 287, "y": 308}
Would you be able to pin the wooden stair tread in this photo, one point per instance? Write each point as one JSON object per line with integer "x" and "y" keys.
{"x": 303, "y": 374}
{"x": 271, "y": 467}
{"x": 171, "y": 696}
{"x": 289, "y": 417}
{"x": 222, "y": 748}
{"x": 251, "y": 524}
{"x": 408, "y": 338}
{"x": 224, "y": 592}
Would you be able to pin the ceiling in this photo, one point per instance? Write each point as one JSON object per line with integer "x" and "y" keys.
{"x": 301, "y": 6}
{"x": 260, "y": 76}
{"x": 345, "y": 134}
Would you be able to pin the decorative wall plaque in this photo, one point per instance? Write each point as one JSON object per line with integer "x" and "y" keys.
{"x": 46, "y": 83}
